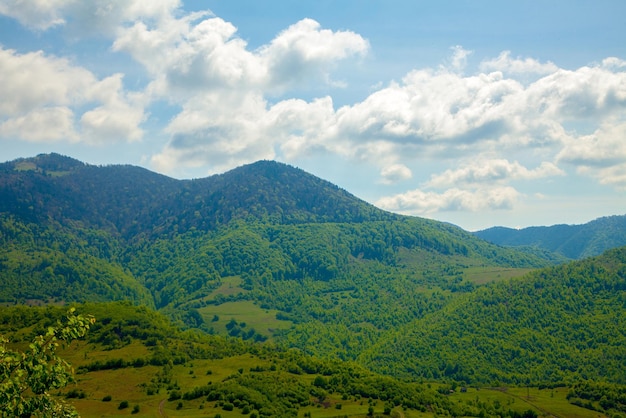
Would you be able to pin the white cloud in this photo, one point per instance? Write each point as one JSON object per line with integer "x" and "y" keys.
{"x": 489, "y": 171}
{"x": 33, "y": 80}
{"x": 418, "y": 202}
{"x": 41, "y": 125}
{"x": 601, "y": 155}
{"x": 518, "y": 66}
{"x": 395, "y": 173}
{"x": 221, "y": 85}
{"x": 459, "y": 58}
{"x": 209, "y": 131}
{"x": 304, "y": 51}
{"x": 36, "y": 14}
{"x": 42, "y": 96}
{"x": 87, "y": 16}
{"x": 192, "y": 55}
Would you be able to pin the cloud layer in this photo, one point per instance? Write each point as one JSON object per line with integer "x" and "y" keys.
{"x": 234, "y": 105}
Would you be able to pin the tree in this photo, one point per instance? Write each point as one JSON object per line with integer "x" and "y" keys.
{"x": 27, "y": 377}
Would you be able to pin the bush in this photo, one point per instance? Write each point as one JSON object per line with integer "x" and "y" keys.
{"x": 75, "y": 394}
{"x": 135, "y": 409}
{"x": 123, "y": 405}
{"x": 107, "y": 398}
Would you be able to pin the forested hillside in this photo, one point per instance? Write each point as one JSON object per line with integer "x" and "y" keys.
{"x": 269, "y": 254}
{"x": 329, "y": 271}
{"x": 555, "y": 325}
{"x": 571, "y": 241}
{"x": 168, "y": 372}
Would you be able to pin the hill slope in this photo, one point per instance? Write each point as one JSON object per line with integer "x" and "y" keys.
{"x": 554, "y": 325}
{"x": 166, "y": 372}
{"x": 571, "y": 241}
{"x": 336, "y": 271}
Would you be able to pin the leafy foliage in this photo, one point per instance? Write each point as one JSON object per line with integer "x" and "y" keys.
{"x": 27, "y": 377}
{"x": 599, "y": 396}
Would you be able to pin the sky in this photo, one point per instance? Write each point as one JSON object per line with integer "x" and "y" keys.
{"x": 479, "y": 113}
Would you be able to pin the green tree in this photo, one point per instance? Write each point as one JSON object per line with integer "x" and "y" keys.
{"x": 27, "y": 377}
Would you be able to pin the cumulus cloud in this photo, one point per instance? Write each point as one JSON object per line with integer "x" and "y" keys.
{"x": 36, "y": 14}
{"x": 490, "y": 171}
{"x": 459, "y": 58}
{"x": 41, "y": 94}
{"x": 395, "y": 173}
{"x": 517, "y": 66}
{"x": 88, "y": 16}
{"x": 34, "y": 80}
{"x": 601, "y": 154}
{"x": 304, "y": 51}
{"x": 194, "y": 54}
{"x": 41, "y": 125}
{"x": 418, "y": 202}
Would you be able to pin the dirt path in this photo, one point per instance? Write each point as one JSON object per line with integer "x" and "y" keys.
{"x": 162, "y": 408}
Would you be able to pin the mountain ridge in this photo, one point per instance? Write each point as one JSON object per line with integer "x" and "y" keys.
{"x": 571, "y": 241}
{"x": 265, "y": 189}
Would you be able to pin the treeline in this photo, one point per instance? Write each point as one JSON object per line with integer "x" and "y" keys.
{"x": 599, "y": 396}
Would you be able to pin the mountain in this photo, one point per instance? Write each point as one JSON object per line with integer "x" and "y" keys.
{"x": 269, "y": 253}
{"x": 571, "y": 241}
{"x": 329, "y": 272}
{"x": 130, "y": 201}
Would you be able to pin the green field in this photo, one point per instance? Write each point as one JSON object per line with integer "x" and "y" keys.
{"x": 482, "y": 275}
{"x": 545, "y": 402}
{"x": 263, "y": 321}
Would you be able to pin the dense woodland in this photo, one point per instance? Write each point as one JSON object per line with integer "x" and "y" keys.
{"x": 571, "y": 241}
{"x": 322, "y": 277}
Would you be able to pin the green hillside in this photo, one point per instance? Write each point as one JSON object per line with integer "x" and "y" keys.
{"x": 555, "y": 325}
{"x": 335, "y": 272}
{"x": 134, "y": 362}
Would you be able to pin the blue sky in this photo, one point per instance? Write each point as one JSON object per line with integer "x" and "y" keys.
{"x": 479, "y": 113}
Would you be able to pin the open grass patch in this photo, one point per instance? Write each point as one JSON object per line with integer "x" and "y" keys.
{"x": 246, "y": 314}
{"x": 545, "y": 402}
{"x": 229, "y": 286}
{"x": 483, "y": 275}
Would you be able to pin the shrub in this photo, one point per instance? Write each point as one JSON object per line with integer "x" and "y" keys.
{"x": 123, "y": 405}
{"x": 107, "y": 398}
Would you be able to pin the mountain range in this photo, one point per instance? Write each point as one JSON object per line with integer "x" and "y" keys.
{"x": 571, "y": 241}
{"x": 268, "y": 252}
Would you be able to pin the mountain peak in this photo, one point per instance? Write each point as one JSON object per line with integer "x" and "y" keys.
{"x": 52, "y": 164}
{"x": 134, "y": 200}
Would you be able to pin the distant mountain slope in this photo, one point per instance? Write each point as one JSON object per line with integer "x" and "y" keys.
{"x": 554, "y": 325}
{"x": 572, "y": 241}
{"x": 130, "y": 200}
